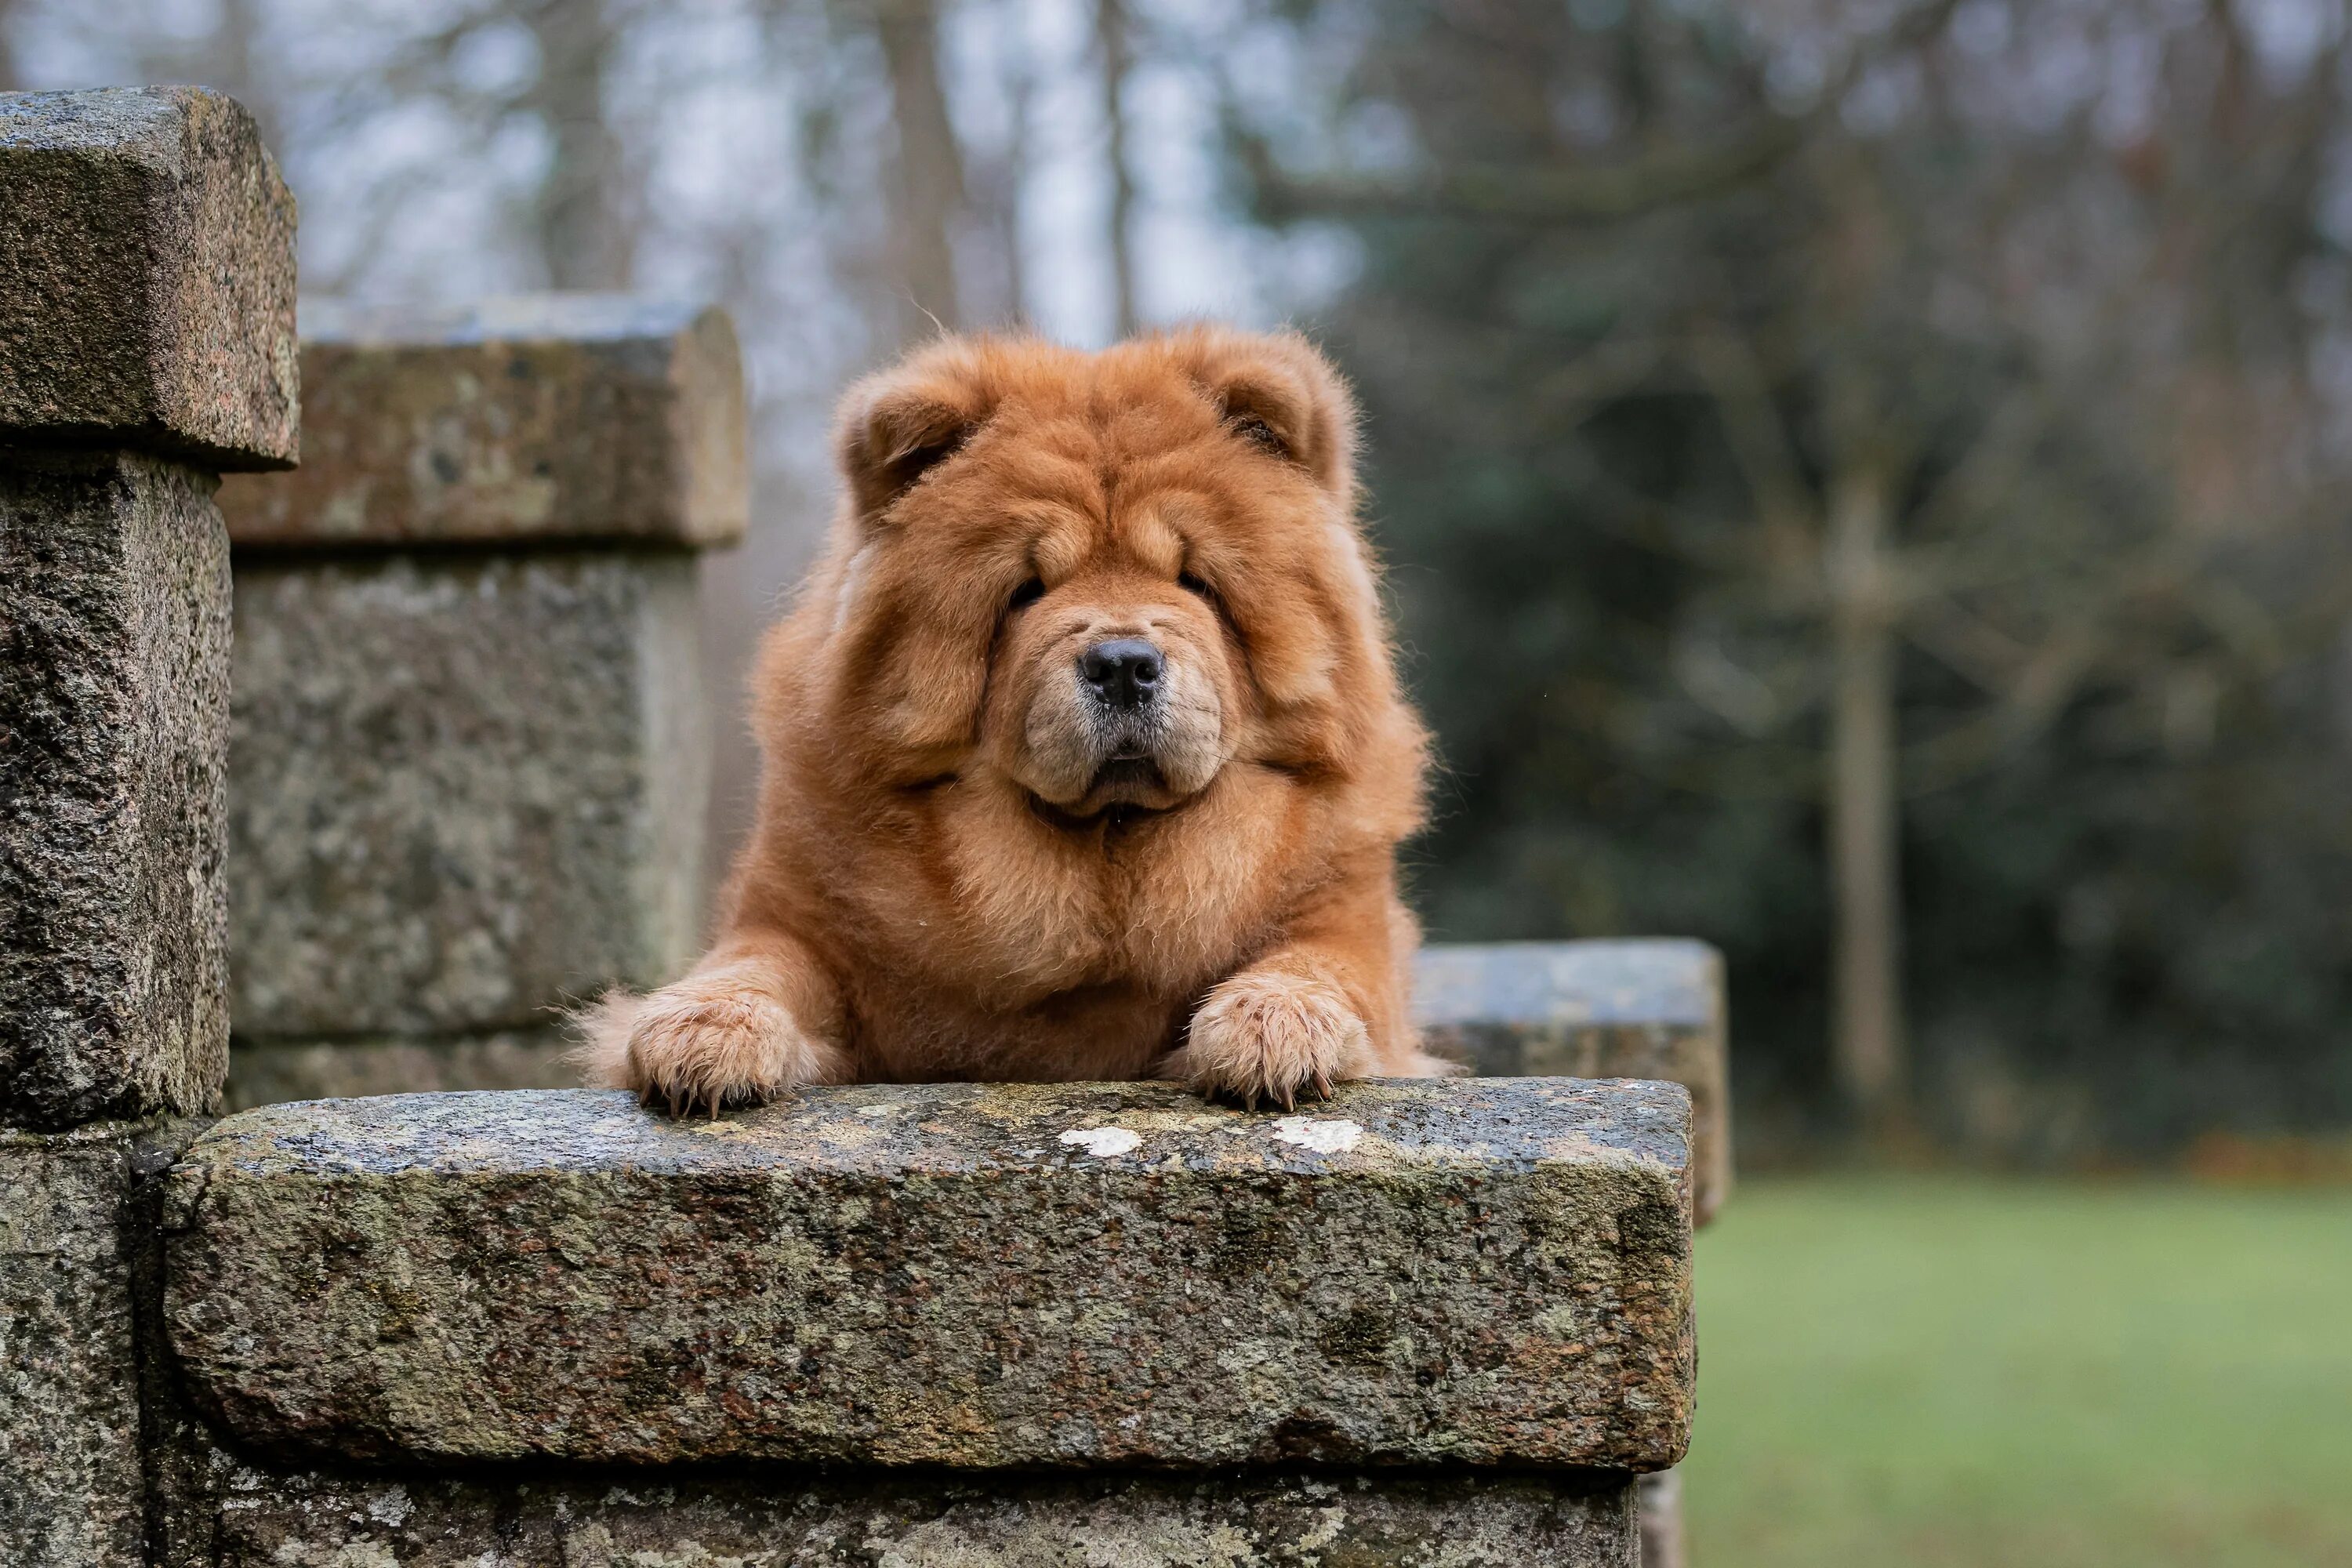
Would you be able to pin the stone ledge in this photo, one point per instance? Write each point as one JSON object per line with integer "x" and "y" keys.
{"x": 1251, "y": 1519}
{"x": 1647, "y": 1008}
{"x": 536, "y": 418}
{"x": 146, "y": 278}
{"x": 1487, "y": 1272}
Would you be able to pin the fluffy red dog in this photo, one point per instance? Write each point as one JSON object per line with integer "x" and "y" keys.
{"x": 1084, "y": 756}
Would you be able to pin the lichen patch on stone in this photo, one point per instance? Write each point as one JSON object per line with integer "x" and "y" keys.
{"x": 1102, "y": 1142}
{"x": 1333, "y": 1136}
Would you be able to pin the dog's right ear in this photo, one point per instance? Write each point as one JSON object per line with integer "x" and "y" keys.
{"x": 899, "y": 424}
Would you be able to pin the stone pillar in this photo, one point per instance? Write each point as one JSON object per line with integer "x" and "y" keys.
{"x": 1648, "y": 1008}
{"x": 470, "y": 742}
{"x": 146, "y": 344}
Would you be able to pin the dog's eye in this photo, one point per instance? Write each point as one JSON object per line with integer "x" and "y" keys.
{"x": 1191, "y": 584}
{"x": 1259, "y": 434}
{"x": 1026, "y": 595}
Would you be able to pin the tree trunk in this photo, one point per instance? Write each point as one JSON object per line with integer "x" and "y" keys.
{"x": 577, "y": 215}
{"x": 1021, "y": 89}
{"x": 228, "y": 65}
{"x": 928, "y": 185}
{"x": 1111, "y": 47}
{"x": 1865, "y": 874}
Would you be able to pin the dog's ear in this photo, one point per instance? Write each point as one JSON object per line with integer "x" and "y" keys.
{"x": 897, "y": 426}
{"x": 1275, "y": 390}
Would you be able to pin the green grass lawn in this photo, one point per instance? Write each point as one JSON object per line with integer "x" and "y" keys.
{"x": 1907, "y": 1370}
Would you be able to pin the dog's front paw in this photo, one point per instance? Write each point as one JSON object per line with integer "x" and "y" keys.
{"x": 704, "y": 1044}
{"x": 1266, "y": 1035}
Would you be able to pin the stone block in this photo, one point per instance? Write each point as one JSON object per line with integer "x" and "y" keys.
{"x": 74, "y": 1493}
{"x": 464, "y": 788}
{"x": 1590, "y": 1009}
{"x": 146, "y": 278}
{"x": 1461, "y": 1273}
{"x": 546, "y": 418}
{"x": 114, "y": 627}
{"x": 1284, "y": 1518}
{"x": 269, "y": 1072}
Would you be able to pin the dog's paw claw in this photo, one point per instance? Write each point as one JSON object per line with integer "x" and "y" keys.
{"x": 698, "y": 1048}
{"x": 1269, "y": 1036}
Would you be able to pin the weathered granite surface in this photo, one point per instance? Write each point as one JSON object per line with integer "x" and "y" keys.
{"x": 1480, "y": 1272}
{"x": 1649, "y": 1008}
{"x": 1279, "y": 1519}
{"x": 146, "y": 278}
{"x": 73, "y": 1487}
{"x": 464, "y": 788}
{"x": 114, "y": 625}
{"x": 550, "y": 416}
{"x": 268, "y": 1072}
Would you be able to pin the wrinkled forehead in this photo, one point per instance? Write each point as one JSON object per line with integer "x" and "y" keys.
{"x": 1095, "y": 472}
{"x": 1103, "y": 411}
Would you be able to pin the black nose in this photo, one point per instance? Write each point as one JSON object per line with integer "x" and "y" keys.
{"x": 1124, "y": 672}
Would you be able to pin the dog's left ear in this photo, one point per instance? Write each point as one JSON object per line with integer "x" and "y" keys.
{"x": 899, "y": 424}
{"x": 1276, "y": 391}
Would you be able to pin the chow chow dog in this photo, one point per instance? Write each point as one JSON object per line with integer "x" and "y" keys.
{"x": 1083, "y": 750}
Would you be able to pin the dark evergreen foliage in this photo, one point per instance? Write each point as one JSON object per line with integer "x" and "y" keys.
{"x": 2121, "y": 684}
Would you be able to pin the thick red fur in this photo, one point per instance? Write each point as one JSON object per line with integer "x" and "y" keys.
{"x": 954, "y": 873}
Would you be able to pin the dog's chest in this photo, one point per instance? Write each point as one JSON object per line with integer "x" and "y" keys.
{"x": 1086, "y": 1033}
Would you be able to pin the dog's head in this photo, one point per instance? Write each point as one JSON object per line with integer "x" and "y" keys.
{"x": 1104, "y": 579}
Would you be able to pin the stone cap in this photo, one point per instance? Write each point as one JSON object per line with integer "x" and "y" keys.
{"x": 1641, "y": 1008}
{"x": 543, "y": 417}
{"x": 1463, "y": 1272}
{"x": 146, "y": 278}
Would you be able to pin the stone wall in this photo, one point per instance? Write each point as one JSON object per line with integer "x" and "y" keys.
{"x": 146, "y": 343}
{"x": 1293, "y": 1518}
{"x": 470, "y": 743}
{"x": 969, "y": 1324}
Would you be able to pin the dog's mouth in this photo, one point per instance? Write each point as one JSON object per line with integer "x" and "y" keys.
{"x": 1128, "y": 785}
{"x": 1126, "y": 773}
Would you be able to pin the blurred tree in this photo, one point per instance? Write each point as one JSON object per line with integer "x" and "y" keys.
{"x": 1113, "y": 60}
{"x": 1792, "y": 435}
{"x": 580, "y": 214}
{"x": 927, "y": 170}
{"x": 999, "y": 181}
